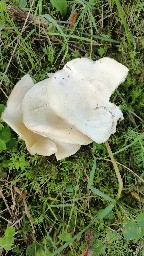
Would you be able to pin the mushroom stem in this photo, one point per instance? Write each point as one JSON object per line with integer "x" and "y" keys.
{"x": 116, "y": 170}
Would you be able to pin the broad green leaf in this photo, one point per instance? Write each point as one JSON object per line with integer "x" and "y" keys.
{"x": 132, "y": 231}
{"x": 5, "y": 134}
{"x": 7, "y": 241}
{"x": 2, "y": 146}
{"x": 9, "y": 233}
{"x": 140, "y": 219}
{"x": 22, "y": 4}
{"x": 60, "y": 5}
{"x": 101, "y": 51}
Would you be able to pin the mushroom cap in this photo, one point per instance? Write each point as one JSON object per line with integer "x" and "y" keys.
{"x": 80, "y": 92}
{"x": 12, "y": 114}
{"x": 41, "y": 119}
{"x": 104, "y": 75}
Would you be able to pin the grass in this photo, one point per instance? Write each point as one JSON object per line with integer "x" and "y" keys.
{"x": 50, "y": 207}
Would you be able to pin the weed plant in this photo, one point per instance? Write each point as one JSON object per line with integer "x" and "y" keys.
{"x": 70, "y": 207}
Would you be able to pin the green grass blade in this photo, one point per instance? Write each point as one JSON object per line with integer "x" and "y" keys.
{"x": 59, "y": 205}
{"x": 55, "y": 24}
{"x": 29, "y": 51}
{"x": 86, "y": 39}
{"x": 123, "y": 19}
{"x": 103, "y": 213}
{"x": 94, "y": 190}
{"x": 139, "y": 137}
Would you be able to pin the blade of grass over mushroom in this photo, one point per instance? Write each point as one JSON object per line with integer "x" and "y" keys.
{"x": 100, "y": 215}
{"x": 116, "y": 170}
{"x": 93, "y": 189}
{"x": 123, "y": 19}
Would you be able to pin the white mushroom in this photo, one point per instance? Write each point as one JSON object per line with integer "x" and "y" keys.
{"x": 80, "y": 92}
{"x": 69, "y": 109}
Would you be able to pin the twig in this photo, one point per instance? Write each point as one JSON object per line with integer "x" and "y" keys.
{"x": 135, "y": 115}
{"x": 37, "y": 20}
{"x": 26, "y": 15}
{"x": 131, "y": 171}
{"x": 6, "y": 220}
{"x": 5, "y": 201}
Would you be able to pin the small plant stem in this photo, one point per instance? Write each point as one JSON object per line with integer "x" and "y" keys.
{"x": 116, "y": 169}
